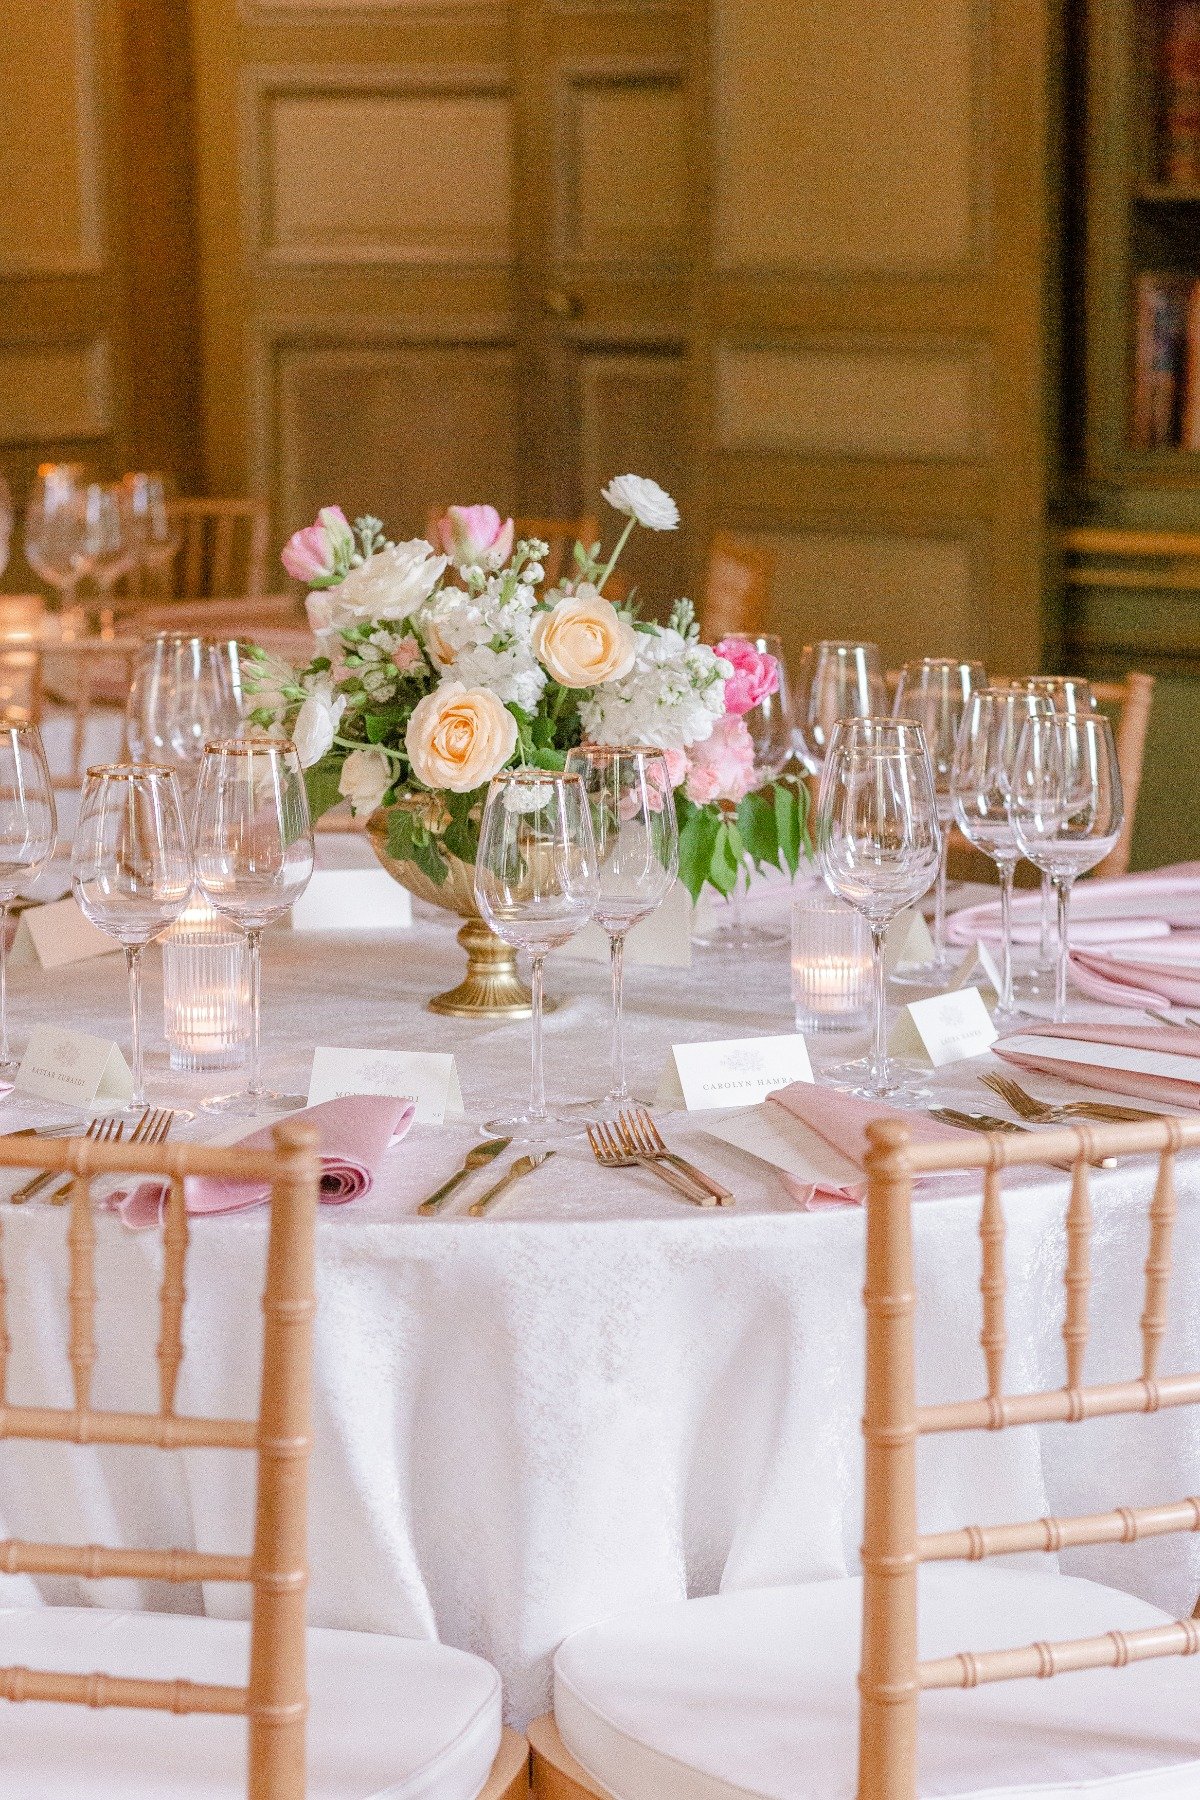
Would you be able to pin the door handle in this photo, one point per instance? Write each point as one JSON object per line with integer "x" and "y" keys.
{"x": 559, "y": 303}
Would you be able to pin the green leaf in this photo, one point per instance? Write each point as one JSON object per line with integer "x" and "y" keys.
{"x": 757, "y": 823}
{"x": 377, "y": 727}
{"x": 321, "y": 782}
{"x": 554, "y": 760}
{"x": 697, "y": 835}
{"x": 791, "y": 810}
{"x": 725, "y": 864}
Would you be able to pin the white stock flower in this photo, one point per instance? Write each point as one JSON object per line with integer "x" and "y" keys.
{"x": 365, "y": 778}
{"x": 389, "y": 585}
{"x": 670, "y": 700}
{"x": 485, "y": 640}
{"x": 643, "y": 500}
{"x": 316, "y": 723}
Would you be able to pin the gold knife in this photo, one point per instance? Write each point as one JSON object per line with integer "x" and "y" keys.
{"x": 524, "y": 1165}
{"x": 478, "y": 1157}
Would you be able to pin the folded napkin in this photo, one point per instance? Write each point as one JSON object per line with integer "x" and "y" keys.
{"x": 353, "y": 1135}
{"x": 1143, "y": 1062}
{"x": 840, "y": 1122}
{"x": 1123, "y": 910}
{"x": 1165, "y": 971}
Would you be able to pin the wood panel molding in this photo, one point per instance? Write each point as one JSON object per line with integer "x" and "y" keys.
{"x": 49, "y": 121}
{"x": 57, "y": 391}
{"x": 364, "y": 165}
{"x": 620, "y": 154}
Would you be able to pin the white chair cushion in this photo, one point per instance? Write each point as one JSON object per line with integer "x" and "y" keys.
{"x": 390, "y": 1718}
{"x": 754, "y": 1694}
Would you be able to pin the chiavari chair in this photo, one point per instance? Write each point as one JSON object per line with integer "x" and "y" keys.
{"x": 1074, "y": 1688}
{"x": 258, "y": 1738}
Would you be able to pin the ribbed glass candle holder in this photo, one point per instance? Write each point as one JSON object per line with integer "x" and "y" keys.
{"x": 831, "y": 963}
{"x": 206, "y": 990}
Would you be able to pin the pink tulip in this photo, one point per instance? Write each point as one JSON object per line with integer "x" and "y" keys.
{"x": 755, "y": 675}
{"x": 722, "y": 766}
{"x": 468, "y": 534}
{"x": 320, "y": 555}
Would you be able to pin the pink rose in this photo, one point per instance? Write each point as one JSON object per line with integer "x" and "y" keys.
{"x": 320, "y": 554}
{"x": 468, "y": 534}
{"x": 755, "y": 674}
{"x": 407, "y": 655}
{"x": 657, "y": 792}
{"x": 721, "y": 767}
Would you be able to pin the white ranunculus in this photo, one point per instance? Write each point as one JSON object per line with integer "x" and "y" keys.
{"x": 389, "y": 585}
{"x": 643, "y": 500}
{"x": 316, "y": 723}
{"x": 366, "y": 777}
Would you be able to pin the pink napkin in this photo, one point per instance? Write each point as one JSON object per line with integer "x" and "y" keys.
{"x": 840, "y": 1121}
{"x": 1122, "y": 910}
{"x": 353, "y": 1135}
{"x": 1161, "y": 1089}
{"x": 1126, "y": 974}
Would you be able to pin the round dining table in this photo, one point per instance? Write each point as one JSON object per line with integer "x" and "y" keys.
{"x": 595, "y": 1396}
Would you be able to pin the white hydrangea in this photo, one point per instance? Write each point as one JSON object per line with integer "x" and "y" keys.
{"x": 671, "y": 698}
{"x": 486, "y": 639}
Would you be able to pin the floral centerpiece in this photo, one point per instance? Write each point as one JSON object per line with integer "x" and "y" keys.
{"x": 437, "y": 665}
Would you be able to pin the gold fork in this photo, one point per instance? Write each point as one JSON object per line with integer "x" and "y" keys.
{"x": 610, "y": 1152}
{"x": 641, "y": 1136}
{"x": 154, "y": 1127}
{"x": 100, "y": 1131}
{"x": 1044, "y": 1113}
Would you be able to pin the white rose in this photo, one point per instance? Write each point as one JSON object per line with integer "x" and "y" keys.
{"x": 316, "y": 723}
{"x": 389, "y": 585}
{"x": 584, "y": 641}
{"x": 458, "y": 737}
{"x": 643, "y": 500}
{"x": 366, "y": 777}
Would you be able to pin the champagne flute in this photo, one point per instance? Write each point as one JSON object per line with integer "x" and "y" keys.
{"x": 184, "y": 693}
{"x": 879, "y": 840}
{"x": 131, "y": 869}
{"x": 934, "y": 692}
{"x": 846, "y": 682}
{"x": 636, "y": 834}
{"x": 254, "y": 857}
{"x": 55, "y": 536}
{"x": 981, "y": 787}
{"x": 1066, "y": 694}
{"x": 1067, "y": 808}
{"x": 28, "y": 828}
{"x": 537, "y": 883}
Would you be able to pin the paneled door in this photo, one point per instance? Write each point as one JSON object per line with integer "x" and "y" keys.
{"x": 443, "y": 254}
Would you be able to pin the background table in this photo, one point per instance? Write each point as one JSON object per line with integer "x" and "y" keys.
{"x": 597, "y": 1395}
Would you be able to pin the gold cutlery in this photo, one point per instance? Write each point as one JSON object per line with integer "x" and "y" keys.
{"x": 477, "y": 1158}
{"x": 987, "y": 1122}
{"x": 1047, "y": 1113}
{"x": 610, "y": 1152}
{"x": 641, "y": 1136}
{"x": 101, "y": 1131}
{"x": 524, "y": 1165}
{"x": 154, "y": 1127}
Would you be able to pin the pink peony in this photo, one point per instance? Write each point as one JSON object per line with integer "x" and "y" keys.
{"x": 755, "y": 674}
{"x": 468, "y": 534}
{"x": 320, "y": 554}
{"x": 407, "y": 655}
{"x": 721, "y": 767}
{"x": 676, "y": 766}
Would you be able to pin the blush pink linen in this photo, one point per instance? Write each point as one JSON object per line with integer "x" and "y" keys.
{"x": 1161, "y": 1090}
{"x": 1124, "y": 910}
{"x": 353, "y": 1136}
{"x": 840, "y": 1121}
{"x": 1165, "y": 971}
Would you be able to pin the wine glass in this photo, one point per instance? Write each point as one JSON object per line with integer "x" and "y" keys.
{"x": 131, "y": 869}
{"x": 981, "y": 787}
{"x": 1066, "y": 694}
{"x": 879, "y": 840}
{"x": 934, "y": 692}
{"x": 634, "y": 827}
{"x": 154, "y": 523}
{"x": 108, "y": 541}
{"x": 28, "y": 828}
{"x": 537, "y": 883}
{"x": 254, "y": 856}
{"x": 55, "y": 533}
{"x": 845, "y": 682}
{"x": 1067, "y": 808}
{"x": 185, "y": 692}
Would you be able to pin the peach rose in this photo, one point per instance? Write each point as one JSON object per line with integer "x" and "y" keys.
{"x": 584, "y": 641}
{"x": 459, "y": 737}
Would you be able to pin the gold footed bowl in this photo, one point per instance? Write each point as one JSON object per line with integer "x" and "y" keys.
{"x": 492, "y": 988}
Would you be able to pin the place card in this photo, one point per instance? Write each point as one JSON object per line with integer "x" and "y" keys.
{"x": 56, "y": 934}
{"x": 72, "y": 1067}
{"x": 733, "y": 1072}
{"x": 908, "y": 943}
{"x": 427, "y": 1078}
{"x": 663, "y": 939}
{"x": 978, "y": 961}
{"x": 945, "y": 1028}
{"x": 352, "y": 900}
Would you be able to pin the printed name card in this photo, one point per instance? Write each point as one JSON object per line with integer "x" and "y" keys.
{"x": 57, "y": 934}
{"x": 663, "y": 939}
{"x": 72, "y": 1067}
{"x": 978, "y": 963}
{"x": 735, "y": 1072}
{"x": 426, "y": 1078}
{"x": 945, "y": 1028}
{"x": 352, "y": 900}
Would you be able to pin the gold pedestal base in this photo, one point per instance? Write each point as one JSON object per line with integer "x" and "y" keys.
{"x": 492, "y": 989}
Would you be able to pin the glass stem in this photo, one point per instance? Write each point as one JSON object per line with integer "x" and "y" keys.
{"x": 736, "y": 914}
{"x": 133, "y": 962}
{"x": 879, "y": 1056}
{"x": 939, "y": 904}
{"x": 1062, "y": 886}
{"x": 619, "y": 1089}
{"x": 1007, "y": 871}
{"x": 1045, "y": 951}
{"x": 537, "y": 1083}
{"x": 5, "y": 1052}
{"x": 254, "y": 946}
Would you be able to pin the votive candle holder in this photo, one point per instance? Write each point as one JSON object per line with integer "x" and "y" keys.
{"x": 831, "y": 963}
{"x": 206, "y": 990}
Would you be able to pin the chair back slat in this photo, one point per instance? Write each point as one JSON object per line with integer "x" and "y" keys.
{"x": 1163, "y": 1208}
{"x": 222, "y": 555}
{"x": 1115, "y": 1650}
{"x": 1123, "y": 1525}
{"x": 193, "y": 552}
{"x": 81, "y": 1244}
{"x": 5, "y": 1340}
{"x": 1078, "y": 1277}
{"x": 991, "y": 1283}
{"x": 172, "y": 1295}
{"x": 96, "y": 1562}
{"x": 121, "y": 1690}
{"x": 224, "y": 547}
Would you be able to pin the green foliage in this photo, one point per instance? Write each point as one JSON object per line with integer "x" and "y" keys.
{"x": 322, "y": 783}
{"x": 409, "y": 841}
{"x": 770, "y": 827}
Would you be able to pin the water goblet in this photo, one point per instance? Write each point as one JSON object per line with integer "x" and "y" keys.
{"x": 131, "y": 869}
{"x": 28, "y": 828}
{"x": 254, "y": 856}
{"x": 1066, "y": 694}
{"x": 155, "y": 526}
{"x": 845, "y": 681}
{"x": 55, "y": 529}
{"x": 537, "y": 883}
{"x": 634, "y": 827}
{"x": 184, "y": 693}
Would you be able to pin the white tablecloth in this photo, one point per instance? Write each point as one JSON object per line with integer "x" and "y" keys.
{"x": 595, "y": 1396}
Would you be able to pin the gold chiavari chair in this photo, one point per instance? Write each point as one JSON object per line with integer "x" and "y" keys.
{"x": 753, "y": 1694}
{"x": 350, "y": 1747}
